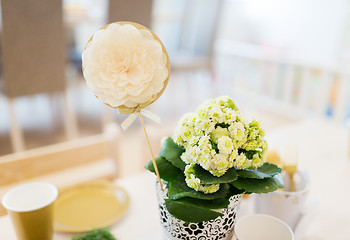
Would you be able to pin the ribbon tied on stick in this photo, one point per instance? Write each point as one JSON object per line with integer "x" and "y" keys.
{"x": 132, "y": 117}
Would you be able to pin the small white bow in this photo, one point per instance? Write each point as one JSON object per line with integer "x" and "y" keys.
{"x": 132, "y": 117}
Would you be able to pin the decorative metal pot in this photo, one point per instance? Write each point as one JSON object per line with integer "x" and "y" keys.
{"x": 220, "y": 228}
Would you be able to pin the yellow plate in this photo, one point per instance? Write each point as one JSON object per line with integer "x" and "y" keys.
{"x": 88, "y": 206}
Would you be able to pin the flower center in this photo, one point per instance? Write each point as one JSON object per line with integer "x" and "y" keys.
{"x": 124, "y": 69}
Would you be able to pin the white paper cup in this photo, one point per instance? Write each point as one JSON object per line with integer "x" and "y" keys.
{"x": 285, "y": 205}
{"x": 30, "y": 207}
{"x": 262, "y": 227}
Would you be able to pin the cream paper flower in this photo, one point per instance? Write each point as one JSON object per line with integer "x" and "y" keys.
{"x": 125, "y": 65}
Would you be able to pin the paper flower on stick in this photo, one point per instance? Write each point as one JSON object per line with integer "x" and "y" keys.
{"x": 126, "y": 66}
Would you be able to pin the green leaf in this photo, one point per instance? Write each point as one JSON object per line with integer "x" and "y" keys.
{"x": 250, "y": 154}
{"x": 254, "y": 185}
{"x": 172, "y": 152}
{"x": 167, "y": 171}
{"x": 267, "y": 170}
{"x": 98, "y": 234}
{"x": 190, "y": 213}
{"x": 207, "y": 178}
{"x": 235, "y": 191}
{"x": 216, "y": 203}
{"x": 179, "y": 189}
{"x": 279, "y": 180}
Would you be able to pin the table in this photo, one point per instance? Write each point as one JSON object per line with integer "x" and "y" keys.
{"x": 323, "y": 153}
{"x": 140, "y": 222}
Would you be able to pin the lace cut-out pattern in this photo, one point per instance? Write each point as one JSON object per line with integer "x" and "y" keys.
{"x": 220, "y": 228}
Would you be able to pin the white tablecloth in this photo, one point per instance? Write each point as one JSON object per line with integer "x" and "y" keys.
{"x": 323, "y": 153}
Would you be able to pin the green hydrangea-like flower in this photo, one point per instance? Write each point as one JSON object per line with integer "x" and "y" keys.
{"x": 195, "y": 183}
{"x": 219, "y": 164}
{"x": 217, "y": 137}
{"x": 225, "y": 144}
{"x": 219, "y": 132}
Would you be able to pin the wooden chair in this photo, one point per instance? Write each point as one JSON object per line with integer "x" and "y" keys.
{"x": 139, "y": 11}
{"x": 34, "y": 61}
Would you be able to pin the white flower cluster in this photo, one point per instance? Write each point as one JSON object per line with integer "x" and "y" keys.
{"x": 217, "y": 138}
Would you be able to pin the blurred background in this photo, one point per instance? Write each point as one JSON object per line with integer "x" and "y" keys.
{"x": 280, "y": 60}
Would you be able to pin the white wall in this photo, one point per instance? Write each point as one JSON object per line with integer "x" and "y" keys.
{"x": 313, "y": 29}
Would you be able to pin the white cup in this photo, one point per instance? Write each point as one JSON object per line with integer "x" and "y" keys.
{"x": 262, "y": 227}
{"x": 285, "y": 205}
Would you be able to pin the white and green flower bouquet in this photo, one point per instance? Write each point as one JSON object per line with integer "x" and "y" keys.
{"x": 214, "y": 154}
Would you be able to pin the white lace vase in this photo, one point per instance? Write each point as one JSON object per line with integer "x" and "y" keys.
{"x": 220, "y": 228}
